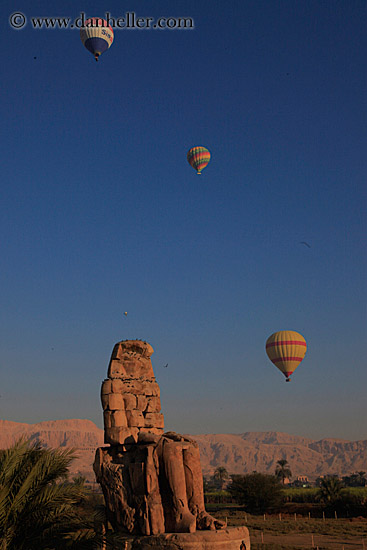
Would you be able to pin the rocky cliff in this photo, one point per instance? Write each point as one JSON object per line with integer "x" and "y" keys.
{"x": 238, "y": 453}
{"x": 260, "y": 451}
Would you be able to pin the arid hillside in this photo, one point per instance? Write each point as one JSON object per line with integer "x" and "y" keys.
{"x": 82, "y": 435}
{"x": 260, "y": 451}
{"x": 238, "y": 453}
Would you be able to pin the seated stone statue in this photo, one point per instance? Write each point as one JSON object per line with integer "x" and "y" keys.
{"x": 152, "y": 481}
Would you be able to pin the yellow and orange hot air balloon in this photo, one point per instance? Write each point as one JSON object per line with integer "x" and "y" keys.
{"x": 198, "y": 158}
{"x": 286, "y": 349}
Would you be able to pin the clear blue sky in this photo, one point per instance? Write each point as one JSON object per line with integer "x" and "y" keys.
{"x": 101, "y": 213}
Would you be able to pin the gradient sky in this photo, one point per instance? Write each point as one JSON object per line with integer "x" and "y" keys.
{"x": 101, "y": 213}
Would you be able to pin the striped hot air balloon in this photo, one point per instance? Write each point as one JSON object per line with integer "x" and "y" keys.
{"x": 96, "y": 35}
{"x": 199, "y": 158}
{"x": 286, "y": 349}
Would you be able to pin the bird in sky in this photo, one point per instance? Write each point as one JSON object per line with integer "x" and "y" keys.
{"x": 165, "y": 366}
{"x": 303, "y": 242}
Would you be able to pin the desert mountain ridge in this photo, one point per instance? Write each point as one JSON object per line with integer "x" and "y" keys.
{"x": 238, "y": 453}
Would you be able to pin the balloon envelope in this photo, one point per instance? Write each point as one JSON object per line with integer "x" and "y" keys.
{"x": 198, "y": 157}
{"x": 286, "y": 349}
{"x": 96, "y": 35}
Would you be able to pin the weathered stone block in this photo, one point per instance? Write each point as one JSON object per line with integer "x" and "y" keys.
{"x": 107, "y": 419}
{"x": 119, "y": 436}
{"x": 130, "y": 401}
{"x": 150, "y": 388}
{"x": 132, "y": 347}
{"x": 153, "y": 404}
{"x": 115, "y": 351}
{"x": 115, "y": 402}
{"x": 157, "y": 431}
{"x": 118, "y": 419}
{"x": 115, "y": 369}
{"x": 130, "y": 367}
{"x": 142, "y": 402}
{"x": 132, "y": 386}
{"x": 106, "y": 387}
{"x": 138, "y": 368}
{"x": 135, "y": 418}
{"x": 231, "y": 538}
{"x": 154, "y": 420}
{"x": 117, "y": 385}
{"x": 104, "y": 400}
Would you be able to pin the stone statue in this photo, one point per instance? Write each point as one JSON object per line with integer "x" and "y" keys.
{"x": 152, "y": 481}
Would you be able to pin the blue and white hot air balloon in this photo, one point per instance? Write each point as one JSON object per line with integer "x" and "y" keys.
{"x": 96, "y": 35}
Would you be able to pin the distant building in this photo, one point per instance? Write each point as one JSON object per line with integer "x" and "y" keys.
{"x": 301, "y": 481}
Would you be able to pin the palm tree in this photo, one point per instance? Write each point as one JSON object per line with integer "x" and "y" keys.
{"x": 282, "y": 470}
{"x": 330, "y": 490}
{"x": 221, "y": 475}
{"x": 37, "y": 503}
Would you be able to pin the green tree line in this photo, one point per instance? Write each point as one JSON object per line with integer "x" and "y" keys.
{"x": 259, "y": 493}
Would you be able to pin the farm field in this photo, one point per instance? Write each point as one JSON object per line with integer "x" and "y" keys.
{"x": 289, "y": 533}
{"x": 309, "y": 494}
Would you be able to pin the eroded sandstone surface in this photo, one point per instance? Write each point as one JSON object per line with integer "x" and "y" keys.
{"x": 152, "y": 481}
{"x": 130, "y": 395}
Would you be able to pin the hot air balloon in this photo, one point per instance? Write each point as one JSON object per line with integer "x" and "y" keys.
{"x": 125, "y": 313}
{"x": 96, "y": 35}
{"x": 286, "y": 349}
{"x": 199, "y": 158}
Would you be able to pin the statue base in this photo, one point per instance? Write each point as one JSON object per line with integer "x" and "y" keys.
{"x": 231, "y": 538}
